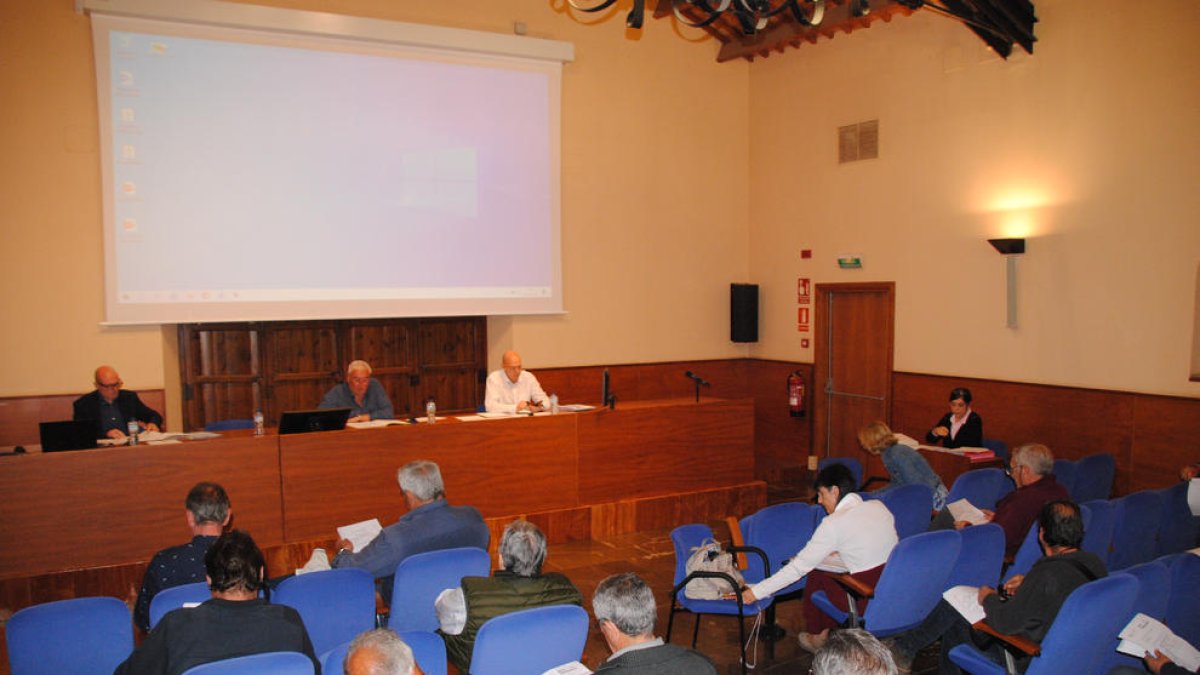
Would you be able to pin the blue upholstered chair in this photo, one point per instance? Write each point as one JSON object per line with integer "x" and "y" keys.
{"x": 1080, "y": 636}
{"x": 530, "y": 640}
{"x": 420, "y": 578}
{"x": 175, "y": 597}
{"x": 980, "y": 557}
{"x": 1094, "y": 477}
{"x": 81, "y": 636}
{"x": 1154, "y": 591}
{"x": 981, "y": 487}
{"x": 998, "y": 448}
{"x": 855, "y": 466}
{"x": 1031, "y": 549}
{"x": 1064, "y": 474}
{"x": 911, "y": 506}
{"x": 1180, "y": 530}
{"x": 271, "y": 663}
{"x": 685, "y": 539}
{"x": 335, "y": 604}
{"x": 911, "y": 585}
{"x": 428, "y": 649}
{"x": 1135, "y": 529}
{"x": 1098, "y": 531}
{"x": 1182, "y": 616}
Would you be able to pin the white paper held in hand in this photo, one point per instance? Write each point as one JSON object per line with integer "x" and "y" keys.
{"x": 362, "y": 533}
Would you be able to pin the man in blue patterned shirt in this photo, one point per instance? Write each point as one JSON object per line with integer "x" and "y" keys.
{"x": 207, "y": 515}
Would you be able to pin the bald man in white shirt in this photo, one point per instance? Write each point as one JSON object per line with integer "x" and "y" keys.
{"x": 512, "y": 389}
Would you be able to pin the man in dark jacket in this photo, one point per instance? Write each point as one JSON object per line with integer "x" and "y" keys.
{"x": 625, "y": 609}
{"x": 111, "y": 408}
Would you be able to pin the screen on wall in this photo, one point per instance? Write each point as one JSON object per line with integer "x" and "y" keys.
{"x": 255, "y": 175}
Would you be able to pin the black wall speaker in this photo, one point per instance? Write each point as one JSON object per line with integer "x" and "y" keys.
{"x": 743, "y": 312}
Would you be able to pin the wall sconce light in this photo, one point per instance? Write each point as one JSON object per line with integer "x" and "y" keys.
{"x": 1010, "y": 249}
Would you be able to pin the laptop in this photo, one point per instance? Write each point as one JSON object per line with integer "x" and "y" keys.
{"x": 304, "y": 421}
{"x": 67, "y": 435}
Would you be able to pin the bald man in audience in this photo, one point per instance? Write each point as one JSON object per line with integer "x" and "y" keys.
{"x": 512, "y": 389}
{"x": 380, "y": 652}
{"x": 111, "y": 408}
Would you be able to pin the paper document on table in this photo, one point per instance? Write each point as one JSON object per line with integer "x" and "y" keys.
{"x": 362, "y": 533}
{"x": 576, "y": 407}
{"x": 1144, "y": 635}
{"x": 1194, "y": 496}
{"x": 965, "y": 510}
{"x": 493, "y": 415}
{"x": 965, "y": 599}
{"x": 572, "y": 668}
{"x": 374, "y": 424}
{"x": 317, "y": 562}
{"x": 833, "y": 563}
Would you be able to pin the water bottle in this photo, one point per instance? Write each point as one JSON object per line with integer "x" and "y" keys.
{"x": 553, "y": 404}
{"x": 258, "y": 423}
{"x": 430, "y": 411}
{"x": 132, "y": 432}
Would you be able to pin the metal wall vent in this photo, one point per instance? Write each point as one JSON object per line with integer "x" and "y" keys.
{"x": 858, "y": 141}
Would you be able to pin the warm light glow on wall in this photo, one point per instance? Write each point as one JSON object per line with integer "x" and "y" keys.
{"x": 1016, "y": 212}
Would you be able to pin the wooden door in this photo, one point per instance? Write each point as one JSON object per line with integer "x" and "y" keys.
{"x": 303, "y": 360}
{"x": 853, "y": 364}
{"x": 453, "y": 357}
{"x": 221, "y": 372}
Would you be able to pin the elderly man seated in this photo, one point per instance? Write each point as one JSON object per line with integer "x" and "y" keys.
{"x": 520, "y": 585}
{"x": 379, "y": 652}
{"x": 625, "y": 610}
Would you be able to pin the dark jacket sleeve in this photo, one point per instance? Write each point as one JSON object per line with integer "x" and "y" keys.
{"x": 86, "y": 409}
{"x": 133, "y": 406}
{"x": 944, "y": 422}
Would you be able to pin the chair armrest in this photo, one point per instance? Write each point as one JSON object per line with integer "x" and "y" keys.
{"x": 741, "y": 552}
{"x": 855, "y": 586}
{"x": 736, "y": 538}
{"x": 1022, "y": 644}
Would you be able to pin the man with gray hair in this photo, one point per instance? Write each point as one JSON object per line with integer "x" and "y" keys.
{"x": 207, "y": 512}
{"x": 519, "y": 585}
{"x": 361, "y": 393}
{"x": 380, "y": 652}
{"x": 431, "y": 524}
{"x": 853, "y": 651}
{"x": 625, "y": 609}
{"x": 1032, "y": 469}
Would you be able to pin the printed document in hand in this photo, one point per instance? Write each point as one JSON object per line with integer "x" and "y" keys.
{"x": 965, "y": 510}
{"x": 361, "y": 534}
{"x": 966, "y": 600}
{"x": 1194, "y": 496}
{"x": 1144, "y": 635}
{"x": 317, "y": 562}
{"x": 572, "y": 668}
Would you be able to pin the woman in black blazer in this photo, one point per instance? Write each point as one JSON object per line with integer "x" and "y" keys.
{"x": 960, "y": 427}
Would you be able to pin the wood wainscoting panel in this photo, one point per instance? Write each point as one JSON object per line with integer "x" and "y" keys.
{"x": 1166, "y": 437}
{"x": 20, "y": 415}
{"x": 782, "y": 442}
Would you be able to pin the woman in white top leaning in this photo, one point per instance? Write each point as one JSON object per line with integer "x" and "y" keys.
{"x": 857, "y": 536}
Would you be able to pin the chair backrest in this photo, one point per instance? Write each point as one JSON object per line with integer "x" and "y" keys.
{"x": 911, "y": 506}
{"x": 981, "y": 487}
{"x": 851, "y": 463}
{"x": 81, "y": 635}
{"x": 530, "y": 640}
{"x": 270, "y": 663}
{"x": 1135, "y": 529}
{"x": 780, "y": 530}
{"x": 1064, "y": 474}
{"x": 1031, "y": 549}
{"x": 333, "y": 660}
{"x": 428, "y": 649}
{"x": 335, "y": 604}
{"x": 1182, "y": 616}
{"x": 912, "y": 581}
{"x": 173, "y": 598}
{"x": 685, "y": 538}
{"x": 1154, "y": 591}
{"x": 421, "y": 577}
{"x": 1085, "y": 626}
{"x": 229, "y": 425}
{"x": 980, "y": 557}
{"x": 998, "y": 448}
{"x": 1094, "y": 477}
{"x": 1180, "y": 530}
{"x": 1098, "y": 534}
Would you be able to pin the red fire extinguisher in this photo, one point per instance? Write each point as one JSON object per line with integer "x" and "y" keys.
{"x": 795, "y": 384}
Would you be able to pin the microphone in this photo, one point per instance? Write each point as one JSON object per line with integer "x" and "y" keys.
{"x": 696, "y": 378}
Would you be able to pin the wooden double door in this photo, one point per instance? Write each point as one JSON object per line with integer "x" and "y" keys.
{"x": 229, "y": 370}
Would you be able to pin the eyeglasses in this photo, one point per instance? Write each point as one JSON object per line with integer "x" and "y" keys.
{"x": 113, "y": 385}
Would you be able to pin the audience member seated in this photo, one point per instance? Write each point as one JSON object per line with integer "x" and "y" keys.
{"x": 111, "y": 408}
{"x": 1032, "y": 469}
{"x": 431, "y": 524}
{"x": 380, "y": 652}
{"x": 961, "y": 427}
{"x": 625, "y": 611}
{"x": 361, "y": 393}
{"x": 235, "y": 622}
{"x": 1033, "y": 600}
{"x": 857, "y": 536}
{"x": 853, "y": 651}
{"x": 519, "y": 585}
{"x": 513, "y": 389}
{"x": 207, "y": 512}
{"x": 904, "y": 465}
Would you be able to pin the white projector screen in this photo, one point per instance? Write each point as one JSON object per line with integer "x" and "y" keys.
{"x": 259, "y": 175}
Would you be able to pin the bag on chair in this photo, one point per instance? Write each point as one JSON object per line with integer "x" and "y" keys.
{"x": 709, "y": 557}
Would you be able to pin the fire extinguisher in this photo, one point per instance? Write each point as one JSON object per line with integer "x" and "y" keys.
{"x": 795, "y": 383}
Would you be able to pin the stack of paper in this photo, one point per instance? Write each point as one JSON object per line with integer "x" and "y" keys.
{"x": 1143, "y": 635}
{"x": 965, "y": 510}
{"x": 362, "y": 533}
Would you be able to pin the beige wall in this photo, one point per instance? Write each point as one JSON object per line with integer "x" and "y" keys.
{"x": 667, "y": 198}
{"x": 1087, "y": 148}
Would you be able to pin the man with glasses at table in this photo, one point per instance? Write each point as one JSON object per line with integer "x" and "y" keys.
{"x": 111, "y": 408}
{"x": 1032, "y": 469}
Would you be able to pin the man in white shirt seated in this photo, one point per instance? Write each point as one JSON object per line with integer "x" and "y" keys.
{"x": 513, "y": 389}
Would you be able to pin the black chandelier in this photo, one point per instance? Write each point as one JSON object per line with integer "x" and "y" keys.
{"x": 751, "y": 15}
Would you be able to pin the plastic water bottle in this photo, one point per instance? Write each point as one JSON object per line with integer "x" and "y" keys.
{"x": 258, "y": 423}
{"x": 553, "y": 404}
{"x": 132, "y": 432}
{"x": 430, "y": 411}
